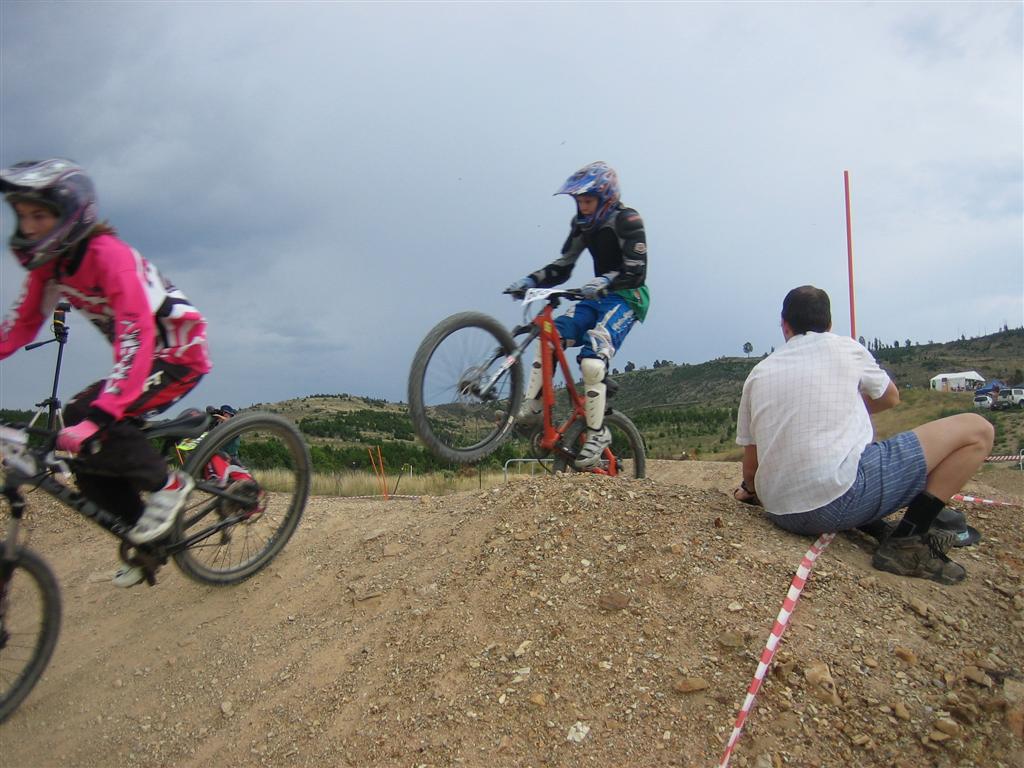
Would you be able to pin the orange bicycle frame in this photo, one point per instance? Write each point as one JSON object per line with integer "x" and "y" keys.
{"x": 551, "y": 354}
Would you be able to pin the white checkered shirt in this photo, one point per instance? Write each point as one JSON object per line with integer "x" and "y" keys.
{"x": 802, "y": 408}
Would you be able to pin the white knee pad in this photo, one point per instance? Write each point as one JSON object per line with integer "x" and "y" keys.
{"x": 595, "y": 390}
{"x": 593, "y": 369}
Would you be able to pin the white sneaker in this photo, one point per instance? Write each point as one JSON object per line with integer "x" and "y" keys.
{"x": 161, "y": 508}
{"x": 128, "y": 576}
{"x": 590, "y": 453}
{"x": 530, "y": 417}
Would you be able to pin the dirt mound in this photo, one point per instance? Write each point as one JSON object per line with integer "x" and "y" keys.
{"x": 552, "y": 621}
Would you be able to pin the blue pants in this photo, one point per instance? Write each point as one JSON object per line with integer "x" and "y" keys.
{"x": 598, "y": 325}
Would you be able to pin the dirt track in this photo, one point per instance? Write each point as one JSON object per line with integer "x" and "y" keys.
{"x": 480, "y": 629}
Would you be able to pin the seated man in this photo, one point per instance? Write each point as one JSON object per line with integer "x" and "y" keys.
{"x": 809, "y": 454}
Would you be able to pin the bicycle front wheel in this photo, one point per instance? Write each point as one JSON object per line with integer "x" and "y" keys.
{"x": 252, "y": 476}
{"x": 625, "y": 456}
{"x": 29, "y": 625}
{"x": 463, "y": 392}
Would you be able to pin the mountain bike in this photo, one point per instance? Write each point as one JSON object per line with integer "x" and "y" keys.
{"x": 228, "y": 530}
{"x": 466, "y": 387}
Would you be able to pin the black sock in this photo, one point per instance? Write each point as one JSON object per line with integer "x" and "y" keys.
{"x": 877, "y": 529}
{"x": 921, "y": 513}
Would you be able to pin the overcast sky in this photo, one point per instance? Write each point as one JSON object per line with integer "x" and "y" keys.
{"x": 326, "y": 181}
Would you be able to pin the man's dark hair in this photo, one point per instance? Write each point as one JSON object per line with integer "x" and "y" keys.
{"x": 807, "y": 309}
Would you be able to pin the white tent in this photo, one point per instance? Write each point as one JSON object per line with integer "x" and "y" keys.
{"x": 957, "y": 382}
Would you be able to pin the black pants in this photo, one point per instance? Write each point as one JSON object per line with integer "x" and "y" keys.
{"x": 126, "y": 463}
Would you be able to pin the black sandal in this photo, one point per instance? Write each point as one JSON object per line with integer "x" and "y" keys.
{"x": 751, "y": 499}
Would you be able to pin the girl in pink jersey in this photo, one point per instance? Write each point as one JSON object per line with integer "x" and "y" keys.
{"x": 158, "y": 340}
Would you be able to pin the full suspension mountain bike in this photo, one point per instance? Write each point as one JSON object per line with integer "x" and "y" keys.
{"x": 466, "y": 387}
{"x": 232, "y": 525}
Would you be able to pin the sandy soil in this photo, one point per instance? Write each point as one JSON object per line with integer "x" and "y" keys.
{"x": 554, "y": 621}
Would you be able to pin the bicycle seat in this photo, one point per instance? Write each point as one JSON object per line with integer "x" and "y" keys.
{"x": 188, "y": 423}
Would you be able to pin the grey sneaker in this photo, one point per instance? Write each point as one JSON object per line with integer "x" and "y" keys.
{"x": 590, "y": 453}
{"x": 922, "y": 556}
{"x": 161, "y": 508}
{"x": 128, "y": 576}
{"x": 950, "y": 519}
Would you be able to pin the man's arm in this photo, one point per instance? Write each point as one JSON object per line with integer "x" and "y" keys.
{"x": 889, "y": 398}
{"x": 749, "y": 465}
{"x": 747, "y": 493}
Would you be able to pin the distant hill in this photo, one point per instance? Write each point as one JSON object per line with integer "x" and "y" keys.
{"x": 683, "y": 409}
{"x": 719, "y": 382}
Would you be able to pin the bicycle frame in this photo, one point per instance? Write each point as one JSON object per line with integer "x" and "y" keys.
{"x": 552, "y": 359}
{"x": 44, "y": 477}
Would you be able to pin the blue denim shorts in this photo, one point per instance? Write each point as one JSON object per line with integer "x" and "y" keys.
{"x": 889, "y": 475}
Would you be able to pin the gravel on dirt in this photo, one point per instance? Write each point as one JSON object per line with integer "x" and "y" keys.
{"x": 553, "y": 621}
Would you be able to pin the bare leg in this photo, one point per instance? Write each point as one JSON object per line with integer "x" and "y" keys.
{"x": 954, "y": 448}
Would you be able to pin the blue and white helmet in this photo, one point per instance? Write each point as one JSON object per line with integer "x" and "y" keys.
{"x": 63, "y": 187}
{"x": 598, "y": 179}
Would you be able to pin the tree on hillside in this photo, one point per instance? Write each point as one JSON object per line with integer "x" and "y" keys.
{"x": 630, "y": 367}
{"x": 748, "y": 348}
{"x": 862, "y": 342}
{"x": 906, "y": 343}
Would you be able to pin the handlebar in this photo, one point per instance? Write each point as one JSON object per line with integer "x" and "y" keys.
{"x": 17, "y": 454}
{"x": 10, "y": 428}
{"x": 551, "y": 295}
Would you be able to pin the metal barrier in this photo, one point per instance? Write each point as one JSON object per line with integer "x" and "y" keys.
{"x": 532, "y": 462}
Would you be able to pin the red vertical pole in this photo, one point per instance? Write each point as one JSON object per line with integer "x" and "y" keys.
{"x": 849, "y": 254}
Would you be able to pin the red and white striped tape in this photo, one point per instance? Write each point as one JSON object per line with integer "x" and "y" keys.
{"x": 1006, "y": 457}
{"x": 976, "y": 500}
{"x": 788, "y": 605}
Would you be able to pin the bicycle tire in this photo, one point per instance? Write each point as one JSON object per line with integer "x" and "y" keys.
{"x": 25, "y": 652}
{"x": 277, "y": 457}
{"x": 633, "y": 459}
{"x": 452, "y": 420}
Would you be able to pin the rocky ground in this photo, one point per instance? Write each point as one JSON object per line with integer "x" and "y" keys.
{"x": 554, "y": 621}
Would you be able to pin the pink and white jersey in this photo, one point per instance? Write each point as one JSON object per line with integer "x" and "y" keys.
{"x": 144, "y": 316}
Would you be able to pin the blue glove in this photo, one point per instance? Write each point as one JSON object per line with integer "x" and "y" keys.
{"x": 592, "y": 289}
{"x": 520, "y": 287}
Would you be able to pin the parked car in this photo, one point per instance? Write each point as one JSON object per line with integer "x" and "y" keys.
{"x": 1010, "y": 397}
{"x": 982, "y": 401}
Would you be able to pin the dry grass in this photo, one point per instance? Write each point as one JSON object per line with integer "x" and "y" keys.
{"x": 353, "y": 484}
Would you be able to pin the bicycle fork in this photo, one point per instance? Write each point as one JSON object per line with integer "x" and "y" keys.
{"x": 510, "y": 360}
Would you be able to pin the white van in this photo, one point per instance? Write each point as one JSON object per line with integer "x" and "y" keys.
{"x": 1010, "y": 397}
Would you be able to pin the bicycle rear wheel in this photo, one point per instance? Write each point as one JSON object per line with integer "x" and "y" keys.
{"x": 29, "y": 625}
{"x": 252, "y": 476}
{"x": 462, "y": 398}
{"x": 627, "y": 448}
